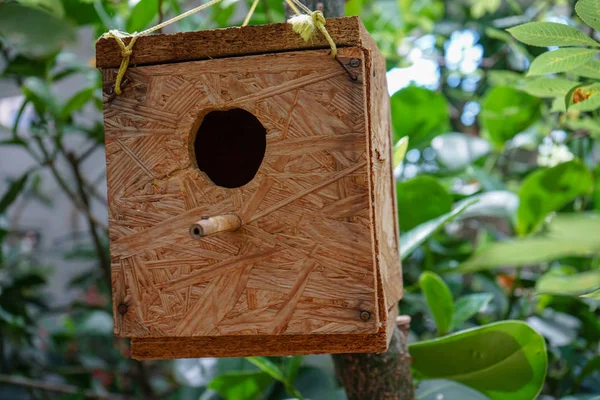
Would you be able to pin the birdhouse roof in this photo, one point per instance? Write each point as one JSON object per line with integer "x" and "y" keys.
{"x": 229, "y": 42}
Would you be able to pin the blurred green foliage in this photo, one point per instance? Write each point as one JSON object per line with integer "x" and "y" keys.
{"x": 497, "y": 154}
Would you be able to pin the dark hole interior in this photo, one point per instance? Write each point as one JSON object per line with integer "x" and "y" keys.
{"x": 230, "y": 146}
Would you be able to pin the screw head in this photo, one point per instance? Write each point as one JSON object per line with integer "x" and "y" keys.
{"x": 355, "y": 62}
{"x": 122, "y": 308}
{"x": 365, "y": 315}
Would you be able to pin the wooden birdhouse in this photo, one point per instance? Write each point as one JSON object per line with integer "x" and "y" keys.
{"x": 251, "y": 196}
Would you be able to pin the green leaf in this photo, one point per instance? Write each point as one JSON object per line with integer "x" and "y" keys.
{"x": 420, "y": 114}
{"x": 561, "y": 60}
{"x": 354, "y": 7}
{"x": 413, "y": 206}
{"x": 412, "y": 239}
{"x": 595, "y": 295}
{"x": 567, "y": 235}
{"x": 54, "y": 7}
{"x": 590, "y": 69}
{"x": 439, "y": 300}
{"x": 591, "y": 102}
{"x": 505, "y": 360}
{"x": 12, "y": 193}
{"x": 268, "y": 367}
{"x": 481, "y": 7}
{"x": 506, "y": 112}
{"x": 142, "y": 15}
{"x": 469, "y": 305}
{"x": 443, "y": 389}
{"x": 568, "y": 285}
{"x": 546, "y": 34}
{"x": 589, "y": 12}
{"x": 547, "y": 190}
{"x": 548, "y": 87}
{"x": 33, "y": 32}
{"x": 76, "y": 102}
{"x": 400, "y": 150}
{"x": 241, "y": 385}
{"x": 38, "y": 92}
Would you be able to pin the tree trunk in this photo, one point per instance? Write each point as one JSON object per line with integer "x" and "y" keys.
{"x": 384, "y": 376}
{"x": 377, "y": 376}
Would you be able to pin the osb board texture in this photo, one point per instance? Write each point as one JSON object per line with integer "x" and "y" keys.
{"x": 303, "y": 262}
{"x": 228, "y": 42}
{"x": 384, "y": 185}
{"x": 244, "y": 346}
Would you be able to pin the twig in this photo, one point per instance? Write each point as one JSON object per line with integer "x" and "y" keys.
{"x": 50, "y": 162}
{"x": 104, "y": 261}
{"x": 55, "y": 387}
{"x": 160, "y": 14}
{"x": 265, "y": 4}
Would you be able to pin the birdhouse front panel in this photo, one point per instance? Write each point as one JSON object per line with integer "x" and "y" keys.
{"x": 251, "y": 198}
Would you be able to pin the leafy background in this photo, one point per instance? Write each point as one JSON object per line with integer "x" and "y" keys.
{"x": 495, "y": 118}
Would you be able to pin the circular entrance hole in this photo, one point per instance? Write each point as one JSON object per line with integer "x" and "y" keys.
{"x": 230, "y": 146}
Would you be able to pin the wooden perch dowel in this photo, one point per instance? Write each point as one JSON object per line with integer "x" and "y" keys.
{"x": 211, "y": 225}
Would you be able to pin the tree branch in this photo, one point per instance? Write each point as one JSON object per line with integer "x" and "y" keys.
{"x": 55, "y": 387}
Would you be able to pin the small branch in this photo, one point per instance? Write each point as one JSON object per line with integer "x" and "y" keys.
{"x": 55, "y": 387}
{"x": 102, "y": 256}
{"x": 160, "y": 14}
{"x": 265, "y": 4}
{"x": 50, "y": 162}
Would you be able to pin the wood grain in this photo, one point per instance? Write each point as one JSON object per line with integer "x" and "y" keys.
{"x": 227, "y": 42}
{"x": 318, "y": 245}
{"x": 251, "y": 345}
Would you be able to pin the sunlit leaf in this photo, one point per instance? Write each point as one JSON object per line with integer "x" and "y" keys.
{"x": 506, "y": 112}
{"x": 546, "y": 34}
{"x": 504, "y": 360}
{"x": 400, "y": 150}
{"x": 566, "y": 235}
{"x": 590, "y": 69}
{"x": 570, "y": 285}
{"x": 547, "y": 190}
{"x": 560, "y": 60}
{"x": 548, "y": 87}
{"x": 589, "y": 12}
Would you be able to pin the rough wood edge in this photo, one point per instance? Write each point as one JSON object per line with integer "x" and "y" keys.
{"x": 227, "y": 42}
{"x": 268, "y": 345}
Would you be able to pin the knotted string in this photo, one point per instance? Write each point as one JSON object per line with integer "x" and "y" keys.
{"x": 303, "y": 24}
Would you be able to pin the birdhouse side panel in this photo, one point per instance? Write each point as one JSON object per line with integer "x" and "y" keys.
{"x": 384, "y": 186}
{"x": 302, "y": 262}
